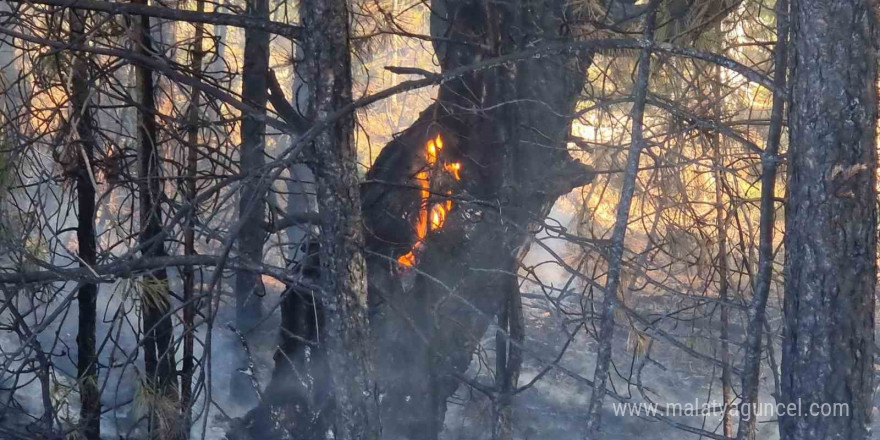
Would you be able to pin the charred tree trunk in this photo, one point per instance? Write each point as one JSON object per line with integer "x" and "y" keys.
{"x": 300, "y": 394}
{"x": 191, "y": 191}
{"x": 343, "y": 276}
{"x": 299, "y": 397}
{"x": 506, "y": 128}
{"x": 249, "y": 289}
{"x": 508, "y": 360}
{"x": 161, "y": 373}
{"x": 87, "y": 357}
{"x": 827, "y": 351}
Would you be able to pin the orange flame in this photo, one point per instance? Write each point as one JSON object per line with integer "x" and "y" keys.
{"x": 408, "y": 259}
{"x": 454, "y": 168}
{"x": 431, "y": 152}
{"x": 425, "y": 184}
{"x": 437, "y": 212}
{"x": 438, "y": 216}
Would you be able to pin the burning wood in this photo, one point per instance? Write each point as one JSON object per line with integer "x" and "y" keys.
{"x": 431, "y": 216}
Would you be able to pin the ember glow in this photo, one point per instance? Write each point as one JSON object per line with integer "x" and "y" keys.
{"x": 431, "y": 216}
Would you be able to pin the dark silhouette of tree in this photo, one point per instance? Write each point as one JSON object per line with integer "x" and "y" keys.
{"x": 249, "y": 289}
{"x": 87, "y": 296}
{"x": 159, "y": 364}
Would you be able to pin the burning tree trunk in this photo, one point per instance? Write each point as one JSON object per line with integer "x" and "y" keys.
{"x": 502, "y": 165}
{"x": 87, "y": 297}
{"x": 448, "y": 207}
{"x": 831, "y": 221}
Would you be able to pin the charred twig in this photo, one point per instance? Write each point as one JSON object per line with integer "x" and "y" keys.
{"x": 400, "y": 70}
{"x": 215, "y": 18}
{"x": 251, "y": 369}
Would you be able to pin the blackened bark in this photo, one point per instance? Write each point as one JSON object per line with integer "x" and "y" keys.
{"x": 161, "y": 373}
{"x": 248, "y": 285}
{"x": 507, "y": 127}
{"x": 301, "y": 374}
{"x": 249, "y": 289}
{"x": 157, "y": 325}
{"x": 299, "y": 397}
{"x": 769, "y": 160}
{"x": 508, "y": 360}
{"x": 87, "y": 357}
{"x": 343, "y": 276}
{"x": 827, "y": 351}
{"x": 191, "y": 191}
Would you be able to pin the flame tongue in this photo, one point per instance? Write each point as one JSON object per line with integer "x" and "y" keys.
{"x": 408, "y": 259}
{"x": 454, "y": 169}
{"x": 438, "y": 216}
{"x": 431, "y": 216}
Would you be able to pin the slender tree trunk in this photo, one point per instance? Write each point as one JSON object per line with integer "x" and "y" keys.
{"x": 831, "y": 220}
{"x": 192, "y": 161}
{"x": 723, "y": 274}
{"x": 249, "y": 289}
{"x": 161, "y": 373}
{"x": 769, "y": 160}
{"x": 217, "y": 63}
{"x": 717, "y": 97}
{"x": 343, "y": 276}
{"x": 87, "y": 357}
{"x": 618, "y": 235}
{"x": 508, "y": 360}
{"x": 11, "y": 101}
{"x": 300, "y": 394}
